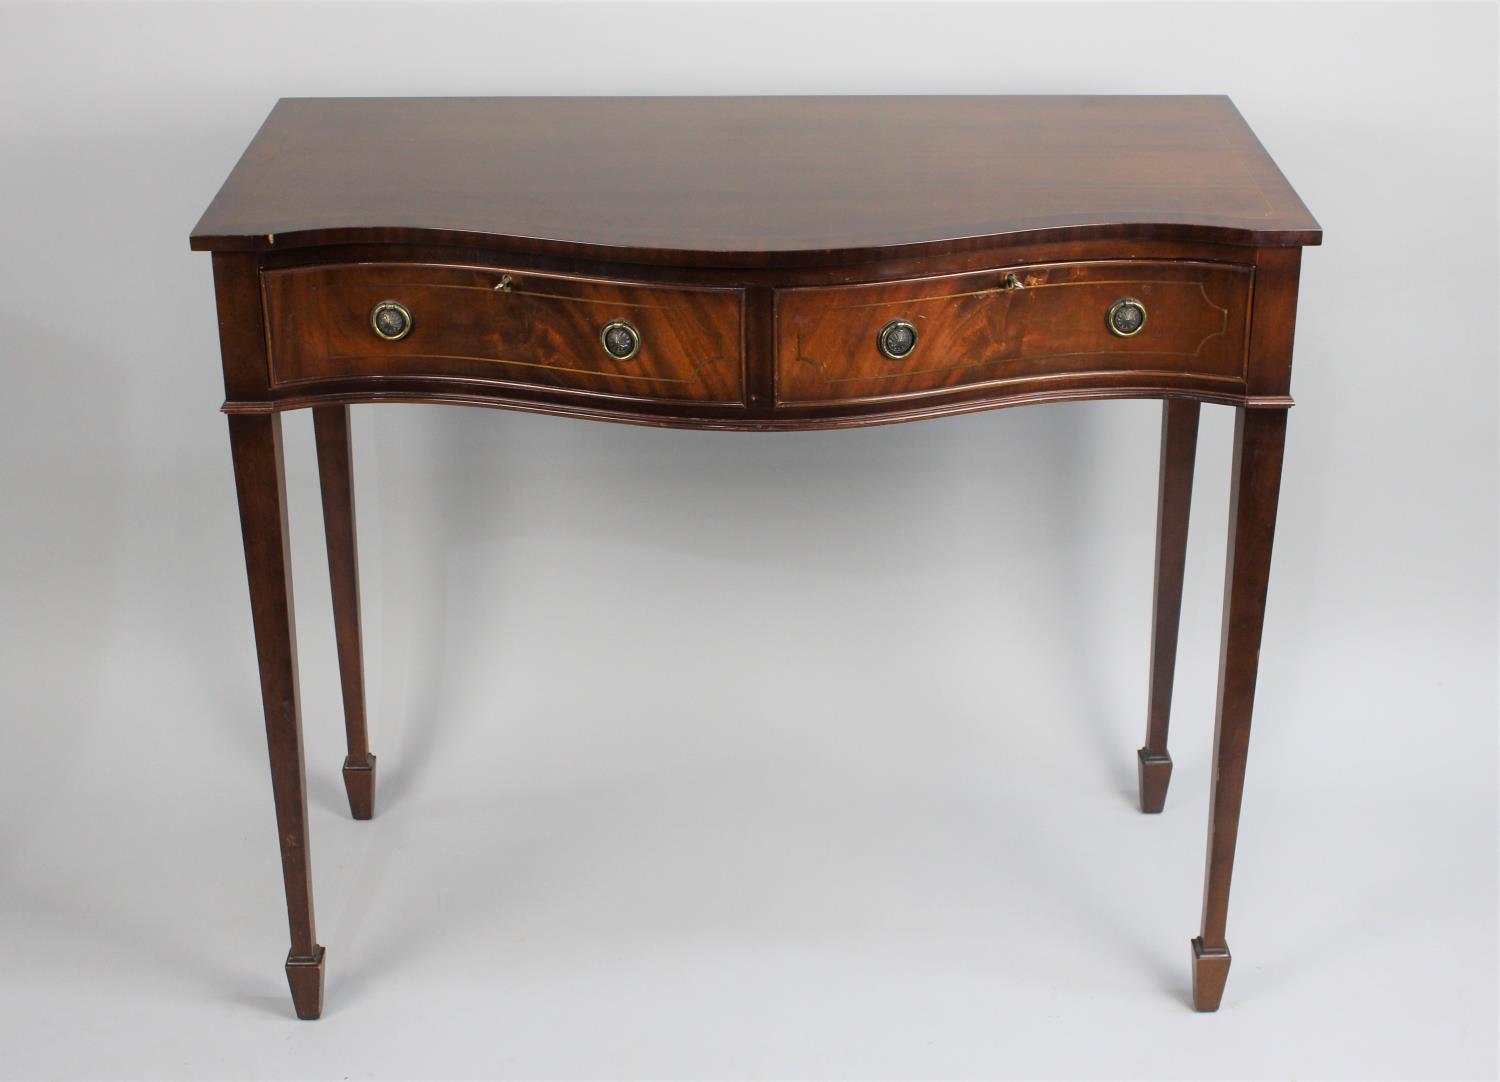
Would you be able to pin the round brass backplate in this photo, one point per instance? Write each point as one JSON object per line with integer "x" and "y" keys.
{"x": 391, "y": 320}
{"x": 897, "y": 339}
{"x": 620, "y": 339}
{"x": 1127, "y": 317}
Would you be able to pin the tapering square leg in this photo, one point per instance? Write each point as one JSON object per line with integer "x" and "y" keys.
{"x": 1259, "y": 439}
{"x": 336, "y": 478}
{"x": 255, "y": 441}
{"x": 1179, "y": 446}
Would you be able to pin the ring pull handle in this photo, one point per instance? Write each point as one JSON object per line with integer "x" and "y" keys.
{"x": 620, "y": 339}
{"x": 391, "y": 320}
{"x": 896, "y": 340}
{"x": 1126, "y": 317}
{"x": 504, "y": 284}
{"x": 1012, "y": 282}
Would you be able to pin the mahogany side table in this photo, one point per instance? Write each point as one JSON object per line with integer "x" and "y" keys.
{"x": 768, "y": 264}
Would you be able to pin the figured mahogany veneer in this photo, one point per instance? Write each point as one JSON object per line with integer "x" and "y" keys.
{"x": 758, "y": 246}
{"x": 753, "y": 181}
{"x": 503, "y": 329}
{"x": 1027, "y": 322}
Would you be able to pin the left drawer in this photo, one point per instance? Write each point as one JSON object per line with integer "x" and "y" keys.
{"x": 509, "y": 328}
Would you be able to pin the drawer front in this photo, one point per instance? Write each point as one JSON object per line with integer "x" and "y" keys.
{"x": 1019, "y": 323}
{"x": 517, "y": 329}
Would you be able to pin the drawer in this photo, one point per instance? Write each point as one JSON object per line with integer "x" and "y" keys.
{"x": 424, "y": 321}
{"x": 1048, "y": 321}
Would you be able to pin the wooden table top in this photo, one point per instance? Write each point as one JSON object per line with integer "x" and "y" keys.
{"x": 767, "y": 181}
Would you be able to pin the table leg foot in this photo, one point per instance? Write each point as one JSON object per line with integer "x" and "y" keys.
{"x": 1210, "y": 971}
{"x": 1155, "y": 771}
{"x": 305, "y": 976}
{"x": 359, "y": 782}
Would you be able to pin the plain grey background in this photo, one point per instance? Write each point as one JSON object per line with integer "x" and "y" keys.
{"x": 726, "y": 755}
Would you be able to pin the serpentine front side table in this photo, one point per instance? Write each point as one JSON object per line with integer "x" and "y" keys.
{"x": 769, "y": 264}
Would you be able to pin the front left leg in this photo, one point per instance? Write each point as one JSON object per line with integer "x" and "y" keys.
{"x": 255, "y": 441}
{"x": 1259, "y": 437}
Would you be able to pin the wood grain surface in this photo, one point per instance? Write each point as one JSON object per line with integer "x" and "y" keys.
{"x": 1026, "y": 322}
{"x": 752, "y": 181}
{"x": 481, "y": 325}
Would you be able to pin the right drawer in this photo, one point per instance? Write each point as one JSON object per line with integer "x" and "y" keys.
{"x": 929, "y": 335}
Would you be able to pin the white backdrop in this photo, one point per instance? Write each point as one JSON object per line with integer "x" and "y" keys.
{"x": 603, "y": 849}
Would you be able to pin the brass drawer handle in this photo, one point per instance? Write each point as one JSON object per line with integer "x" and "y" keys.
{"x": 620, "y": 339}
{"x": 391, "y": 320}
{"x": 897, "y": 339}
{"x": 1126, "y": 317}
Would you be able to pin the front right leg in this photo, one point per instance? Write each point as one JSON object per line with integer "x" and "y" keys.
{"x": 255, "y": 441}
{"x": 1259, "y": 441}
